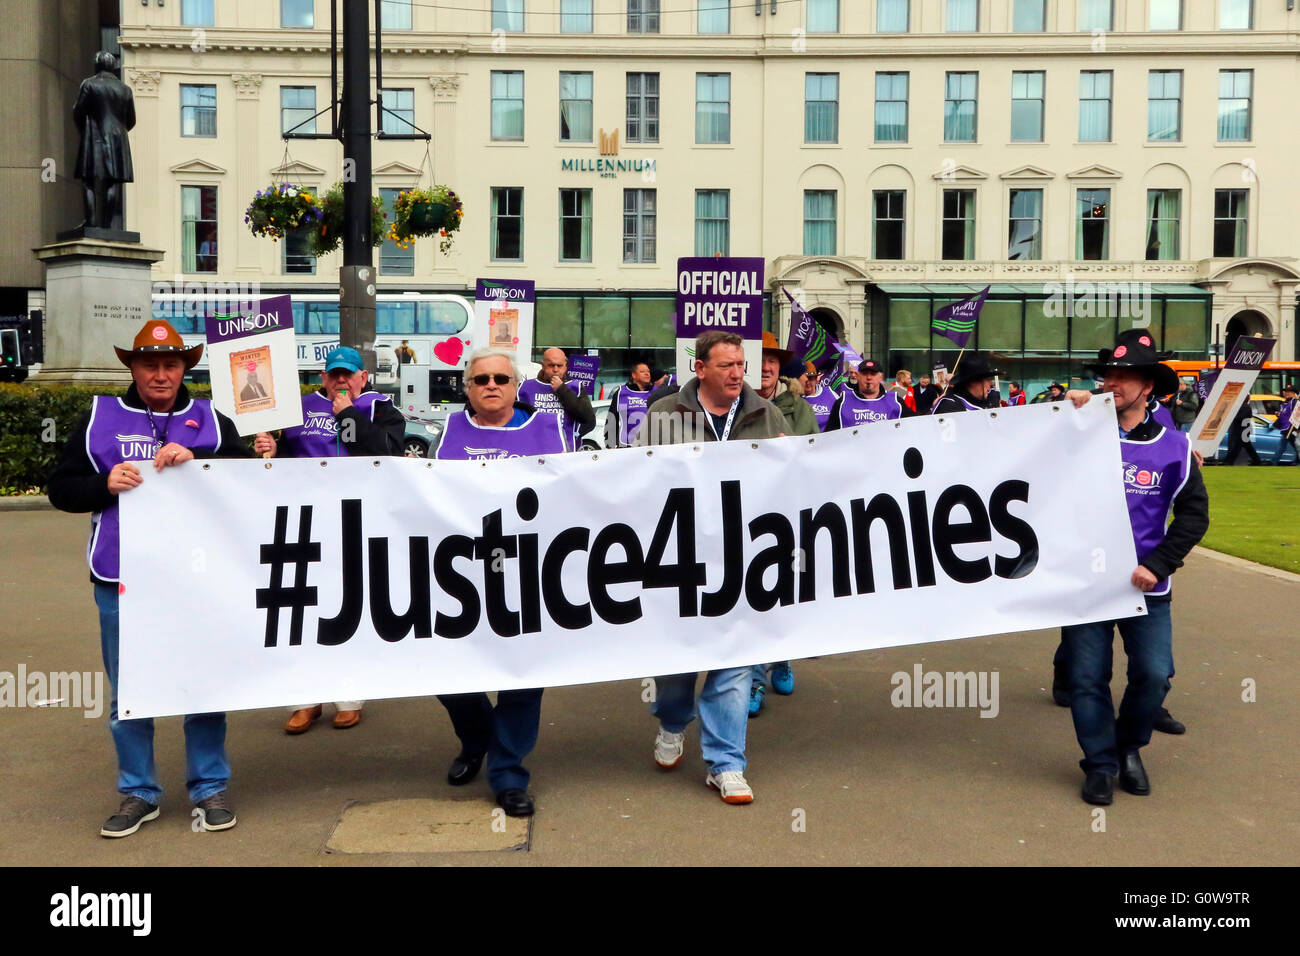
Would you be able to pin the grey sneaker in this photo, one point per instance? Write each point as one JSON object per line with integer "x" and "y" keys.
{"x": 133, "y": 812}
{"x": 215, "y": 812}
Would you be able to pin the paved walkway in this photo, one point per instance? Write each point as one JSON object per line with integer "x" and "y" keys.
{"x": 870, "y": 783}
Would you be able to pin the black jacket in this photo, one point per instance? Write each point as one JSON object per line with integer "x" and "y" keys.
{"x": 1191, "y": 516}
{"x": 949, "y": 403}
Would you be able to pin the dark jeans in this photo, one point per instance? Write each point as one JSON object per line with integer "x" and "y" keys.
{"x": 506, "y": 733}
{"x": 1089, "y": 648}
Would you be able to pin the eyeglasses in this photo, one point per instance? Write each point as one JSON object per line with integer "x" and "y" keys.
{"x": 500, "y": 378}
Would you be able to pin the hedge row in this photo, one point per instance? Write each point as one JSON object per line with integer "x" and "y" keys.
{"x": 35, "y": 421}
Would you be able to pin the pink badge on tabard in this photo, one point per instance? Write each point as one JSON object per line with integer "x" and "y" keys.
{"x": 191, "y": 423}
{"x": 1121, "y": 351}
{"x": 1144, "y": 340}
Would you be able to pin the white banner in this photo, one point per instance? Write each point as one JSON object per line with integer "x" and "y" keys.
{"x": 288, "y": 581}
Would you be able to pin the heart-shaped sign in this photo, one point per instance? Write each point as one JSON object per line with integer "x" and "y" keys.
{"x": 449, "y": 351}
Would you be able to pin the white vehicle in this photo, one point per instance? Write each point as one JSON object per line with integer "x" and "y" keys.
{"x": 429, "y": 323}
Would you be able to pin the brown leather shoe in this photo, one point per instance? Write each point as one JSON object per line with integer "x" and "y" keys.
{"x": 346, "y": 718}
{"x": 300, "y": 721}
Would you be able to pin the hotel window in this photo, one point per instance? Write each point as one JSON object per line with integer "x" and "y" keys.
{"x": 642, "y": 16}
{"x": 892, "y": 16}
{"x": 297, "y": 13}
{"x": 507, "y": 224}
{"x": 575, "y": 107}
{"x": 642, "y": 108}
{"x": 395, "y": 14}
{"x": 1096, "y": 15}
{"x": 1236, "y": 14}
{"x": 198, "y": 228}
{"x": 298, "y": 109}
{"x": 1230, "y": 206}
{"x": 1027, "y": 107}
{"x": 1166, "y": 14}
{"x": 507, "y": 15}
{"x": 962, "y": 16}
{"x": 394, "y": 260}
{"x": 196, "y": 13}
{"x": 1164, "y": 218}
{"x": 1234, "y": 105}
{"x": 961, "y": 92}
{"x": 638, "y": 225}
{"x": 713, "y": 16}
{"x": 198, "y": 110}
{"x": 891, "y": 107}
{"x": 575, "y": 16}
{"x": 296, "y": 255}
{"x": 819, "y": 222}
{"x": 398, "y": 113}
{"x": 1165, "y": 105}
{"x": 1025, "y": 229}
{"x": 712, "y": 107}
{"x": 823, "y": 16}
{"x": 821, "y": 115}
{"x": 575, "y": 225}
{"x": 958, "y": 224}
{"x": 1029, "y": 16}
{"x": 507, "y": 104}
{"x": 889, "y": 208}
{"x": 713, "y": 222}
{"x": 1092, "y": 238}
{"x": 1095, "y": 105}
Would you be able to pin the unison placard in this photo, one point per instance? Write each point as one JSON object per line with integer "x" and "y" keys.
{"x": 360, "y": 579}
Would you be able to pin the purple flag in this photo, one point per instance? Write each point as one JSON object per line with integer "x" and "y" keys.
{"x": 957, "y": 321}
{"x": 808, "y": 340}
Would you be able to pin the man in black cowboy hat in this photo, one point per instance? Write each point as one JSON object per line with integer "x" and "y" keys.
{"x": 1287, "y": 421}
{"x": 155, "y": 422}
{"x": 968, "y": 387}
{"x": 1160, "y": 475}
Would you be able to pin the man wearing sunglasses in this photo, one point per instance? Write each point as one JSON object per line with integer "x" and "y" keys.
{"x": 496, "y": 425}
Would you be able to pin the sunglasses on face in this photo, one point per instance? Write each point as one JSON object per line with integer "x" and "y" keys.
{"x": 499, "y": 378}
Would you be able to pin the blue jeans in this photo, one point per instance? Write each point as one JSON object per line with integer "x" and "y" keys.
{"x": 506, "y": 733}
{"x": 1148, "y": 643}
{"x": 206, "y": 769}
{"x": 724, "y": 712}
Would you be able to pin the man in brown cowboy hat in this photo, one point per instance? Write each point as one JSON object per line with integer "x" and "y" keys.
{"x": 155, "y": 422}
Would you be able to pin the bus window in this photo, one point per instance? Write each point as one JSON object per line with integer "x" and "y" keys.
{"x": 299, "y": 318}
{"x": 322, "y": 318}
{"x": 395, "y": 318}
{"x": 440, "y": 318}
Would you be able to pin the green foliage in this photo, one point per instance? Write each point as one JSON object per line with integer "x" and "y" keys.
{"x": 327, "y": 234}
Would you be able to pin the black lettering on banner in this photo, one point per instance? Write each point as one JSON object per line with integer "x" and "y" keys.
{"x": 456, "y": 585}
{"x": 338, "y": 629}
{"x": 571, "y": 617}
{"x": 885, "y": 508}
{"x": 601, "y": 573}
{"x": 275, "y": 596}
{"x": 720, "y": 602}
{"x": 1017, "y": 529}
{"x": 490, "y": 547}
{"x": 920, "y": 539}
{"x": 687, "y": 575}
{"x": 530, "y": 598}
{"x": 948, "y": 533}
{"x": 390, "y": 625}
{"x": 776, "y": 556}
{"x": 829, "y": 518}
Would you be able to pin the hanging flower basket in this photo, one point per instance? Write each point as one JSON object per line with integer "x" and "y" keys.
{"x": 426, "y": 212}
{"x": 328, "y": 232}
{"x": 281, "y": 208}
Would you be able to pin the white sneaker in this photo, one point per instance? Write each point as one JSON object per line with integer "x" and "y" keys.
{"x": 669, "y": 748}
{"x": 731, "y": 786}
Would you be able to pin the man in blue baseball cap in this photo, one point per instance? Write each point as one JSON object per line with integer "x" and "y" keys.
{"x": 345, "y": 417}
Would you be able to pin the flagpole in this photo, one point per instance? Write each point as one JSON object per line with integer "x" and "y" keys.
{"x": 951, "y": 375}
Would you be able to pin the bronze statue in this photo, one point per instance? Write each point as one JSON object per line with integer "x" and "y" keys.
{"x": 104, "y": 112}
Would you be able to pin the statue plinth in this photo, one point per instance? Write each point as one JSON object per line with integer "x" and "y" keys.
{"x": 95, "y": 232}
{"x": 98, "y": 293}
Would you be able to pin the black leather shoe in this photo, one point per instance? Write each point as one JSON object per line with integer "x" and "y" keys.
{"x": 516, "y": 803}
{"x": 1099, "y": 788}
{"x": 464, "y": 769}
{"x": 1166, "y": 724}
{"x": 1132, "y": 775}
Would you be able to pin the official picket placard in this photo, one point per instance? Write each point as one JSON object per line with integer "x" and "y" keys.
{"x": 720, "y": 294}
{"x": 583, "y": 370}
{"x": 358, "y": 578}
{"x": 253, "y": 364}
{"x": 503, "y": 316}
{"x": 1231, "y": 387}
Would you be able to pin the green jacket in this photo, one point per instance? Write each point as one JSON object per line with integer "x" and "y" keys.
{"x": 679, "y": 419}
{"x": 799, "y": 415}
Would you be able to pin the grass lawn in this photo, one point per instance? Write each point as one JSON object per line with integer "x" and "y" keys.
{"x": 1255, "y": 513}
